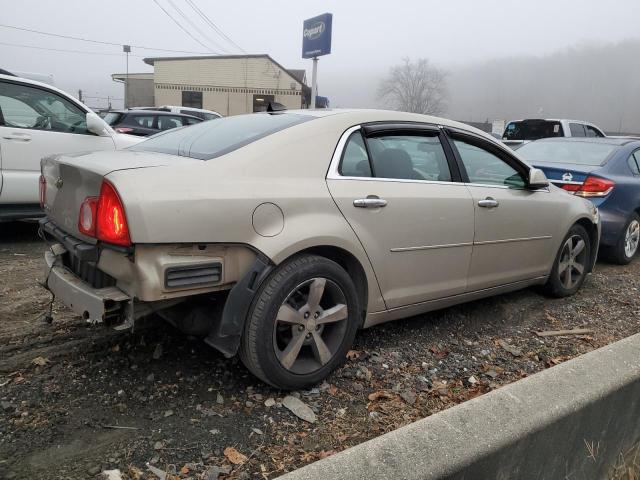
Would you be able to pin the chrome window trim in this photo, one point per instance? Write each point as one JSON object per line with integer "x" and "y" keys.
{"x": 334, "y": 174}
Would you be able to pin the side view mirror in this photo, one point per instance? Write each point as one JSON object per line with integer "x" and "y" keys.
{"x": 96, "y": 125}
{"x": 537, "y": 179}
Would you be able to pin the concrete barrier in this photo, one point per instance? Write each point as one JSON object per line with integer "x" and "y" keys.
{"x": 568, "y": 422}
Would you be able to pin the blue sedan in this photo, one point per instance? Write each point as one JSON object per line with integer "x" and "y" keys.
{"x": 607, "y": 172}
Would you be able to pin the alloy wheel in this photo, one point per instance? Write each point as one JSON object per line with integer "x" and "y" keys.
{"x": 310, "y": 325}
{"x": 632, "y": 238}
{"x": 573, "y": 261}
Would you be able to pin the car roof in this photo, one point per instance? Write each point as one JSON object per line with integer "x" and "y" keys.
{"x": 602, "y": 140}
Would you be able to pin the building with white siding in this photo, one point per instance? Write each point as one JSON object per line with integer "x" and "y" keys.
{"x": 228, "y": 84}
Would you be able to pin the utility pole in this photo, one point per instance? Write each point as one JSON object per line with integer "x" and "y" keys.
{"x": 80, "y": 95}
{"x": 126, "y": 49}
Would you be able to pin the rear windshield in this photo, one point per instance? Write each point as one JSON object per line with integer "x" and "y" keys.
{"x": 209, "y": 140}
{"x": 532, "y": 130}
{"x": 580, "y": 153}
{"x": 112, "y": 117}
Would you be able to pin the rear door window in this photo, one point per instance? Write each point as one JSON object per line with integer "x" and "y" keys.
{"x": 409, "y": 157}
{"x": 593, "y": 132}
{"x": 577, "y": 130}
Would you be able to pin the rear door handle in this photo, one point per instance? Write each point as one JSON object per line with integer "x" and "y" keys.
{"x": 370, "y": 202}
{"x": 23, "y": 137}
{"x": 488, "y": 203}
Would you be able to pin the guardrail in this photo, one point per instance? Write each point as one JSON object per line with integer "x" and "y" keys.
{"x": 568, "y": 422}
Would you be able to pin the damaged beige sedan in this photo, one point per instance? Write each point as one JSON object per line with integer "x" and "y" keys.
{"x": 277, "y": 235}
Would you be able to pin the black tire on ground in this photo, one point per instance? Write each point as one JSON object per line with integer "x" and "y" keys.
{"x": 258, "y": 345}
{"x": 557, "y": 285}
{"x": 617, "y": 253}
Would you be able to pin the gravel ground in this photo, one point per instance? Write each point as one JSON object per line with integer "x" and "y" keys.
{"x": 76, "y": 400}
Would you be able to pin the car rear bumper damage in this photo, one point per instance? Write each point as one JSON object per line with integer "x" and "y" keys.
{"x": 95, "y": 305}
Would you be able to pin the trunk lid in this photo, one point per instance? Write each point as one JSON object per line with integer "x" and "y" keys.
{"x": 560, "y": 174}
{"x": 71, "y": 178}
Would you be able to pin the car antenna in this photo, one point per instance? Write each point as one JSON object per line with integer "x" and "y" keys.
{"x": 275, "y": 107}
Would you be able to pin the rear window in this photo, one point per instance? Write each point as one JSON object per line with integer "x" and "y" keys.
{"x": 112, "y": 118}
{"x": 532, "y": 130}
{"x": 209, "y": 140}
{"x": 580, "y": 153}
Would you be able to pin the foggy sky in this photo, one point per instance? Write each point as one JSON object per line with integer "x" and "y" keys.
{"x": 368, "y": 37}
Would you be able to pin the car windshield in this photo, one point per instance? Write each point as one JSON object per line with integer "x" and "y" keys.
{"x": 209, "y": 140}
{"x": 581, "y": 153}
{"x": 532, "y": 130}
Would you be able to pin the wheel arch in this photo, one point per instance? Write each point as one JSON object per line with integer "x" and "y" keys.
{"x": 592, "y": 231}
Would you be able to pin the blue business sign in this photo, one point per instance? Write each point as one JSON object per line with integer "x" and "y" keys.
{"x": 316, "y": 36}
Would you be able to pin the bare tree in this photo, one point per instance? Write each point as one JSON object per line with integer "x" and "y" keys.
{"x": 415, "y": 87}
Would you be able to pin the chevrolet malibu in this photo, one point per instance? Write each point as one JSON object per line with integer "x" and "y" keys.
{"x": 276, "y": 236}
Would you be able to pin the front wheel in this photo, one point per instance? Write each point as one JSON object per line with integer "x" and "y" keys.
{"x": 301, "y": 324}
{"x": 572, "y": 262}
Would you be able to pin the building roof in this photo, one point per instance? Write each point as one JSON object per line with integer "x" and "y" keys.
{"x": 133, "y": 76}
{"x": 300, "y": 75}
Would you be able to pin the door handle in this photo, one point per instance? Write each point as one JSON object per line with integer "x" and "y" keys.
{"x": 23, "y": 137}
{"x": 371, "y": 201}
{"x": 488, "y": 203}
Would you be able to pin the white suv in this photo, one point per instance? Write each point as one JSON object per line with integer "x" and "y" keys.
{"x": 37, "y": 120}
{"x": 519, "y": 132}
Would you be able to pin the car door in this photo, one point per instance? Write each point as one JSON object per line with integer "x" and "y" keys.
{"x": 400, "y": 192}
{"x": 514, "y": 225}
{"x": 37, "y": 122}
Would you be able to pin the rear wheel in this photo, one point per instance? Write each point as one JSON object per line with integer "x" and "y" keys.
{"x": 302, "y": 323}
{"x": 627, "y": 245}
{"x": 572, "y": 262}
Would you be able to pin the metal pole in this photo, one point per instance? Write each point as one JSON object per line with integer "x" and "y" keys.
{"x": 126, "y": 85}
{"x": 314, "y": 83}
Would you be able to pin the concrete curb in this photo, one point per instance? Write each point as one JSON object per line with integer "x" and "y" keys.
{"x": 568, "y": 422}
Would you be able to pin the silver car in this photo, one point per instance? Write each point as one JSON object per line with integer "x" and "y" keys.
{"x": 278, "y": 235}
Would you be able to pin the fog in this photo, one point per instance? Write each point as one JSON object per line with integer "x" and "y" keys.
{"x": 505, "y": 59}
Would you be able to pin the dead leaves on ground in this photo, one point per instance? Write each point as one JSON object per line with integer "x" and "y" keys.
{"x": 234, "y": 456}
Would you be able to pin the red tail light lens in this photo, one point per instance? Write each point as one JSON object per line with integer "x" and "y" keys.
{"x": 43, "y": 191}
{"x": 87, "y": 217}
{"x": 111, "y": 221}
{"x": 124, "y": 130}
{"x": 595, "y": 187}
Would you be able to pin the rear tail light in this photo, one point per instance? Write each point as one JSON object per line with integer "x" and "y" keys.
{"x": 43, "y": 191}
{"x": 104, "y": 217}
{"x": 592, "y": 187}
{"x": 124, "y": 130}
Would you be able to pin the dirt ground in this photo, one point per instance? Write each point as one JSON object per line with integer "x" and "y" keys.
{"x": 78, "y": 399}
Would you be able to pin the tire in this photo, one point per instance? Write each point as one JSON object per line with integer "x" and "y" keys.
{"x": 565, "y": 278}
{"x": 622, "y": 253}
{"x": 280, "y": 319}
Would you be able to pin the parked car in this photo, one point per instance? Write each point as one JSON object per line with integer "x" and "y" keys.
{"x": 145, "y": 122}
{"x": 607, "y": 172}
{"x": 278, "y": 235}
{"x": 38, "y": 120}
{"x": 519, "y": 132}
{"x": 196, "y": 112}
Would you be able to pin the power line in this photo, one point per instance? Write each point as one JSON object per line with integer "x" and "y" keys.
{"x": 181, "y": 26}
{"x": 195, "y": 27}
{"x": 63, "y": 50}
{"x": 213, "y": 25}
{"x": 69, "y": 37}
